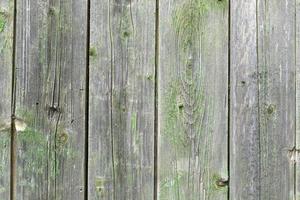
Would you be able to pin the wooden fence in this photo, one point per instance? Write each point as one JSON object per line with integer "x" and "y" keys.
{"x": 149, "y": 99}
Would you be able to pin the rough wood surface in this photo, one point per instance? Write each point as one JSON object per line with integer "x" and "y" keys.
{"x": 121, "y": 100}
{"x": 6, "y": 47}
{"x": 193, "y": 99}
{"x": 244, "y": 111}
{"x": 277, "y": 111}
{"x": 262, "y": 99}
{"x": 297, "y": 177}
{"x": 202, "y": 58}
{"x": 50, "y": 96}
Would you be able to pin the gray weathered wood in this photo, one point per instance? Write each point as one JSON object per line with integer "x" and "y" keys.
{"x": 121, "y": 100}
{"x": 193, "y": 102}
{"x": 244, "y": 118}
{"x": 50, "y": 96}
{"x": 193, "y": 117}
{"x": 276, "y": 66}
{"x": 297, "y": 181}
{"x": 6, "y": 47}
{"x": 262, "y": 99}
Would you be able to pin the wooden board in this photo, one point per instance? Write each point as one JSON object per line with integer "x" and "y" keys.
{"x": 276, "y": 67}
{"x": 297, "y": 36}
{"x": 185, "y": 59}
{"x": 50, "y": 98}
{"x": 193, "y": 99}
{"x": 6, "y": 48}
{"x": 121, "y": 99}
{"x": 262, "y": 99}
{"x": 244, "y": 111}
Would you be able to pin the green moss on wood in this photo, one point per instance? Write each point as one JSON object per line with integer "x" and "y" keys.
{"x": 271, "y": 109}
{"x": 150, "y": 77}
{"x": 172, "y": 130}
{"x": 218, "y": 183}
{"x": 42, "y": 150}
{"x": 188, "y": 18}
{"x": 184, "y": 106}
{"x": 34, "y": 147}
{"x": 3, "y": 21}
{"x": 220, "y": 4}
{"x": 133, "y": 123}
{"x": 126, "y": 34}
{"x": 53, "y": 11}
{"x": 170, "y": 186}
{"x": 126, "y": 28}
{"x": 188, "y": 121}
{"x": 62, "y": 138}
{"x": 186, "y": 127}
{"x": 100, "y": 184}
{"x": 93, "y": 51}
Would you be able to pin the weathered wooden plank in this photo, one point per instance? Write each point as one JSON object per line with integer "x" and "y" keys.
{"x": 276, "y": 66}
{"x": 100, "y": 172}
{"x": 193, "y": 103}
{"x": 6, "y": 48}
{"x": 263, "y": 99}
{"x": 297, "y": 181}
{"x": 50, "y": 98}
{"x": 121, "y": 100}
{"x": 244, "y": 118}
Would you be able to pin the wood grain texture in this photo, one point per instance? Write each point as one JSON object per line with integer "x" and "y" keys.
{"x": 297, "y": 36}
{"x": 193, "y": 78}
{"x": 244, "y": 102}
{"x": 121, "y": 105}
{"x": 6, "y": 48}
{"x": 276, "y": 67}
{"x": 50, "y": 98}
{"x": 263, "y": 99}
{"x": 198, "y": 67}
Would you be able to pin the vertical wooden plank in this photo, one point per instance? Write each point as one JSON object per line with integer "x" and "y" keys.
{"x": 133, "y": 41}
{"x": 6, "y": 48}
{"x": 244, "y": 112}
{"x": 263, "y": 99}
{"x": 297, "y": 36}
{"x": 193, "y": 103}
{"x": 121, "y": 101}
{"x": 50, "y": 98}
{"x": 100, "y": 171}
{"x": 276, "y": 66}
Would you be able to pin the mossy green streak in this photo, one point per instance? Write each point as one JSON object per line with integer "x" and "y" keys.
{"x": 188, "y": 18}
